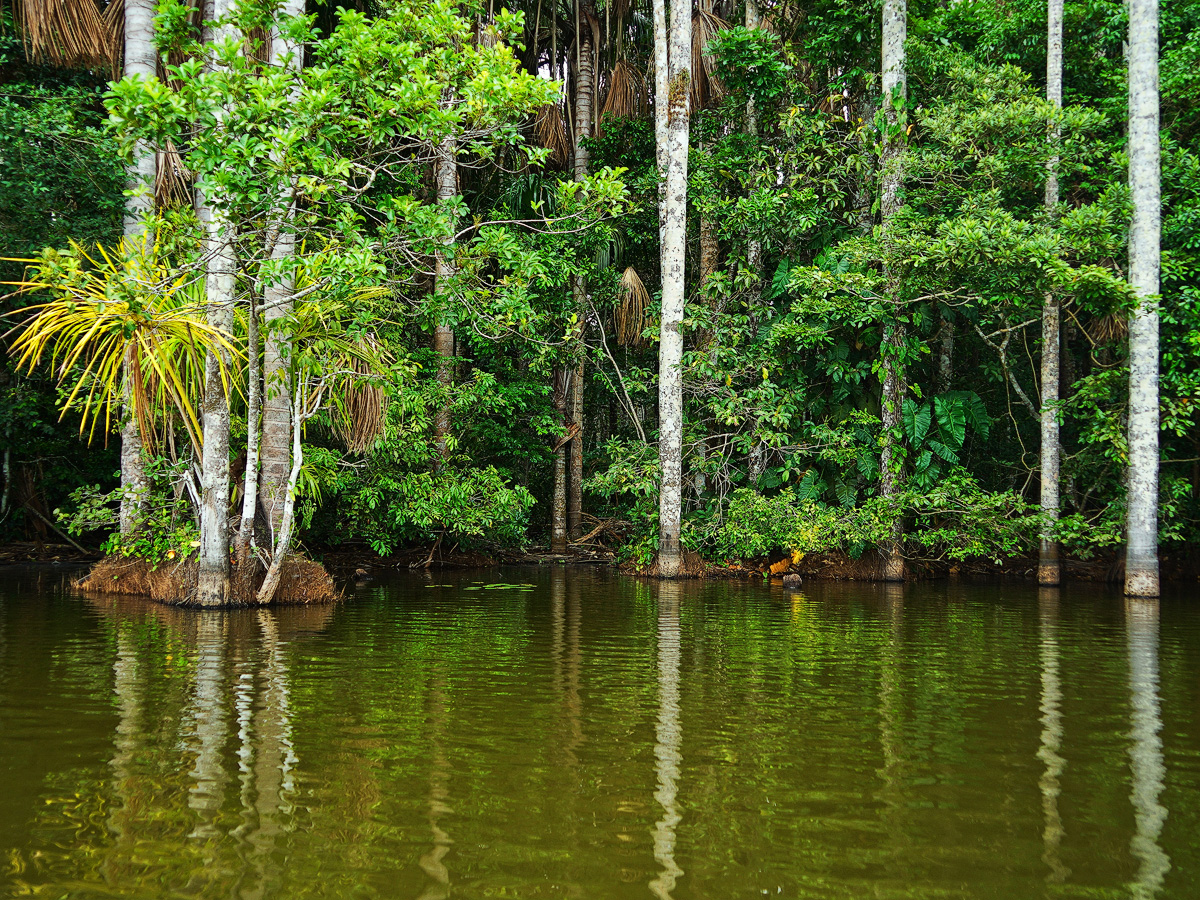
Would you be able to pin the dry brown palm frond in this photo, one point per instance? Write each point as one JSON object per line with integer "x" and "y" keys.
{"x": 364, "y": 405}
{"x": 66, "y": 33}
{"x": 620, "y": 9}
{"x": 114, "y": 24}
{"x": 705, "y": 86}
{"x": 630, "y": 315}
{"x": 626, "y": 97}
{"x": 1106, "y": 329}
{"x": 550, "y": 131}
{"x": 172, "y": 180}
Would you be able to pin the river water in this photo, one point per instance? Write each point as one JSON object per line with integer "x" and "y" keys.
{"x": 532, "y": 733}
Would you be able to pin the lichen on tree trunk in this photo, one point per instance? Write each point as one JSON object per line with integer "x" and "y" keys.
{"x": 1049, "y": 564}
{"x": 674, "y": 248}
{"x": 141, "y": 59}
{"x": 1141, "y": 555}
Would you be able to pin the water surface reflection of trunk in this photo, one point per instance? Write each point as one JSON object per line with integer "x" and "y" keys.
{"x": 891, "y": 721}
{"x": 128, "y": 694}
{"x": 439, "y": 792}
{"x": 208, "y": 774}
{"x": 1050, "y": 707}
{"x": 668, "y": 739}
{"x": 266, "y": 755}
{"x": 1146, "y": 748}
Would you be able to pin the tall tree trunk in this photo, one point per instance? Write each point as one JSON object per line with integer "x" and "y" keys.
{"x": 945, "y": 364}
{"x": 662, "y": 73}
{"x": 212, "y": 588}
{"x": 254, "y": 390}
{"x": 141, "y": 59}
{"x": 753, "y": 245}
{"x": 674, "y": 255}
{"x": 276, "y": 442}
{"x": 895, "y": 27}
{"x": 1141, "y": 555}
{"x": 558, "y": 520}
{"x": 446, "y": 175}
{"x": 585, "y": 102}
{"x": 1049, "y": 565}
{"x": 287, "y": 524}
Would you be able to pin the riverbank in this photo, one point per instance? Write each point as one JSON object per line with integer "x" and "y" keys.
{"x": 347, "y": 566}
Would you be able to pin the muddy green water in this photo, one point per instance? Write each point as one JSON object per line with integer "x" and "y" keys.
{"x": 580, "y": 735}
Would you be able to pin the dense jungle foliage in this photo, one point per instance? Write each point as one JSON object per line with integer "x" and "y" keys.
{"x": 791, "y": 284}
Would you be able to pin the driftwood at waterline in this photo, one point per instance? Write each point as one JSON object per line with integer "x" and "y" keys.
{"x": 301, "y": 581}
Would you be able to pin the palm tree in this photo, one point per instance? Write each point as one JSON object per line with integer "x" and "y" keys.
{"x": 587, "y": 33}
{"x": 212, "y": 586}
{"x": 1049, "y": 566}
{"x": 276, "y": 416}
{"x": 672, "y": 63}
{"x": 76, "y": 34}
{"x": 895, "y": 84}
{"x": 1141, "y": 556}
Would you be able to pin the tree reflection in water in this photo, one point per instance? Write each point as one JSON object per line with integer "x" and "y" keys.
{"x": 1146, "y": 747}
{"x": 1050, "y": 707}
{"x": 668, "y": 739}
{"x": 236, "y": 714}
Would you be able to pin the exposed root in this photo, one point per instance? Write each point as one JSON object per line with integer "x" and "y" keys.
{"x": 692, "y": 565}
{"x": 301, "y": 581}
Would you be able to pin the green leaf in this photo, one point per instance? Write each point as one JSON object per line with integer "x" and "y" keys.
{"x": 915, "y": 420}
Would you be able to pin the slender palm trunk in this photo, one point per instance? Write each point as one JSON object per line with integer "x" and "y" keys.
{"x": 141, "y": 59}
{"x": 945, "y": 362}
{"x": 1141, "y": 555}
{"x": 220, "y": 284}
{"x": 585, "y": 101}
{"x": 446, "y": 175}
{"x": 277, "y": 302}
{"x": 254, "y": 391}
{"x": 674, "y": 253}
{"x": 558, "y": 520}
{"x": 1049, "y": 565}
{"x": 895, "y": 27}
{"x": 287, "y": 525}
{"x": 753, "y": 245}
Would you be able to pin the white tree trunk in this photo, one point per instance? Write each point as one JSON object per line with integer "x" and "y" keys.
{"x": 283, "y": 542}
{"x": 1141, "y": 556}
{"x": 141, "y": 59}
{"x": 662, "y": 74}
{"x": 277, "y": 302}
{"x": 674, "y": 253}
{"x": 212, "y": 587}
{"x": 1049, "y": 565}
{"x": 254, "y": 390}
{"x": 895, "y": 84}
{"x": 446, "y": 176}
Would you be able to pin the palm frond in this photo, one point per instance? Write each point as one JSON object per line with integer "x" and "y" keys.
{"x": 626, "y": 96}
{"x": 550, "y": 131}
{"x": 364, "y": 402}
{"x": 69, "y": 33}
{"x": 172, "y": 179}
{"x": 630, "y": 315}
{"x": 706, "y": 87}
